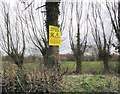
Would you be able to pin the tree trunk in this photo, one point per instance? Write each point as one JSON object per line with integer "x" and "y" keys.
{"x": 52, "y": 58}
{"x": 52, "y": 13}
{"x": 19, "y": 64}
{"x": 78, "y": 56}
{"x": 78, "y": 66}
{"x": 118, "y": 37}
{"x": 119, "y": 64}
{"x": 106, "y": 66}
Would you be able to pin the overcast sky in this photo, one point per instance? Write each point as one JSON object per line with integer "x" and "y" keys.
{"x": 65, "y": 48}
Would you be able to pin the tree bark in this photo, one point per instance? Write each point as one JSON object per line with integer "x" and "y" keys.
{"x": 78, "y": 67}
{"x": 19, "y": 64}
{"x": 118, "y": 37}
{"x": 52, "y": 13}
{"x": 78, "y": 58}
{"x": 119, "y": 64}
{"x": 106, "y": 66}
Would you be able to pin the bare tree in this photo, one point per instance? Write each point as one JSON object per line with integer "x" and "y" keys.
{"x": 114, "y": 14}
{"x": 13, "y": 35}
{"x": 35, "y": 23}
{"x": 78, "y": 44}
{"x": 39, "y": 30}
{"x": 102, "y": 38}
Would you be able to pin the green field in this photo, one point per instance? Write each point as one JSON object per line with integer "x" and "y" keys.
{"x": 96, "y": 66}
{"x": 87, "y": 67}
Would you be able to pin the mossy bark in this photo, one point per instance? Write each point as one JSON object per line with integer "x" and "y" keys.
{"x": 52, "y": 13}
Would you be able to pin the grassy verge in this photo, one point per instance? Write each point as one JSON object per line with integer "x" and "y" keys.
{"x": 74, "y": 83}
{"x": 91, "y": 83}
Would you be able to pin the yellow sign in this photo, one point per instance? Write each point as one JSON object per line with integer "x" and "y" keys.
{"x": 54, "y": 36}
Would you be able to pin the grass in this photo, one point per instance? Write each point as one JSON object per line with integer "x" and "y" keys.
{"x": 95, "y": 67}
{"x": 91, "y": 83}
{"x": 11, "y": 66}
{"x": 87, "y": 67}
{"x": 90, "y": 66}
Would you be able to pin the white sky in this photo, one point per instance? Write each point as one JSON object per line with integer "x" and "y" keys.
{"x": 12, "y": 1}
{"x": 65, "y": 48}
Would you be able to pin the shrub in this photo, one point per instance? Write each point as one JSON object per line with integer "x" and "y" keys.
{"x": 36, "y": 80}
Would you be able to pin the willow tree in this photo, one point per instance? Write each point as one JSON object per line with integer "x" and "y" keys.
{"x": 114, "y": 14}
{"x": 103, "y": 40}
{"x": 13, "y": 35}
{"x": 78, "y": 42}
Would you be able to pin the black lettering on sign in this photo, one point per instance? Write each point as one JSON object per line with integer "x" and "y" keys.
{"x": 57, "y": 35}
{"x": 51, "y": 34}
